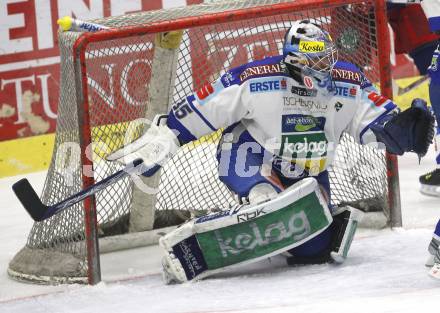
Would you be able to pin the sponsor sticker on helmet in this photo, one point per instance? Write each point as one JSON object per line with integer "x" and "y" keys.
{"x": 311, "y": 46}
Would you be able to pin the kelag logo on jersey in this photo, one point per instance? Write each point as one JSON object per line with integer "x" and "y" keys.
{"x": 304, "y": 141}
{"x": 268, "y": 85}
{"x": 301, "y": 123}
{"x": 345, "y": 92}
{"x": 304, "y": 145}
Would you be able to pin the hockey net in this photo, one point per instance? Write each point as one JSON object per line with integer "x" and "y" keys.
{"x": 111, "y": 78}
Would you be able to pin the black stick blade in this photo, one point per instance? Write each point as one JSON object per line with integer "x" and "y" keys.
{"x": 29, "y": 199}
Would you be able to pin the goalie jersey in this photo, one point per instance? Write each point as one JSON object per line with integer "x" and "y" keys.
{"x": 299, "y": 121}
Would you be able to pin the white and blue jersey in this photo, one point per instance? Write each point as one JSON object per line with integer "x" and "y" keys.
{"x": 432, "y": 12}
{"x": 297, "y": 122}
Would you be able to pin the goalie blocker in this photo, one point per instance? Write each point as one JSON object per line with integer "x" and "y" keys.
{"x": 248, "y": 233}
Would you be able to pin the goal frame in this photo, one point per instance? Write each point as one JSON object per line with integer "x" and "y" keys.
{"x": 82, "y": 92}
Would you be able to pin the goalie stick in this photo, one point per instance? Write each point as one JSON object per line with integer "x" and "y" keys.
{"x": 40, "y": 212}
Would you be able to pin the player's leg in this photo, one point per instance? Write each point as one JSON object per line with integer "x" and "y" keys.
{"x": 332, "y": 244}
{"x": 241, "y": 161}
{"x": 434, "y": 253}
{"x": 271, "y": 221}
{"x": 430, "y": 182}
{"x": 422, "y": 56}
{"x": 433, "y": 245}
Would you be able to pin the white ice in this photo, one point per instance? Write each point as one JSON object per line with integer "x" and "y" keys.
{"x": 384, "y": 273}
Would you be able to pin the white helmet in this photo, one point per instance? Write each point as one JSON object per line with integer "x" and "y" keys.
{"x": 309, "y": 50}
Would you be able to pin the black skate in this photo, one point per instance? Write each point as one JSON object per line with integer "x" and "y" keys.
{"x": 430, "y": 183}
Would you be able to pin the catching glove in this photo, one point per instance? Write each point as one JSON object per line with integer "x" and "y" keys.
{"x": 409, "y": 131}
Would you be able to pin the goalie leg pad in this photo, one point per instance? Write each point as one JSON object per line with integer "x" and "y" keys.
{"x": 333, "y": 244}
{"x": 348, "y": 218}
{"x": 245, "y": 234}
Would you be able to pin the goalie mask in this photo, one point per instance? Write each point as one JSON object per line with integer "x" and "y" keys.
{"x": 309, "y": 51}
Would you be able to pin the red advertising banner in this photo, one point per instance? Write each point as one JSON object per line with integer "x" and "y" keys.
{"x": 117, "y": 75}
{"x": 29, "y": 56}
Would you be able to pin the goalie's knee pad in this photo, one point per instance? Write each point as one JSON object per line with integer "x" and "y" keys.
{"x": 261, "y": 192}
{"x": 245, "y": 234}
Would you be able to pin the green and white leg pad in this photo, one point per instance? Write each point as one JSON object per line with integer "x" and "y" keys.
{"x": 349, "y": 218}
{"x": 245, "y": 234}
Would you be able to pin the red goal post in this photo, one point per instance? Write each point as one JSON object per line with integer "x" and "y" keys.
{"x": 113, "y": 77}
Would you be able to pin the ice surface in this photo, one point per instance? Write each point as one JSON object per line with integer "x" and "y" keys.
{"x": 384, "y": 273}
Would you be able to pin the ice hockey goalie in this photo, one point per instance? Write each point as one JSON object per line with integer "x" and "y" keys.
{"x": 282, "y": 118}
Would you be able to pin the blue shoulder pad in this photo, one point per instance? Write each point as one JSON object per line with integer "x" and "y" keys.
{"x": 261, "y": 68}
{"x": 350, "y": 73}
